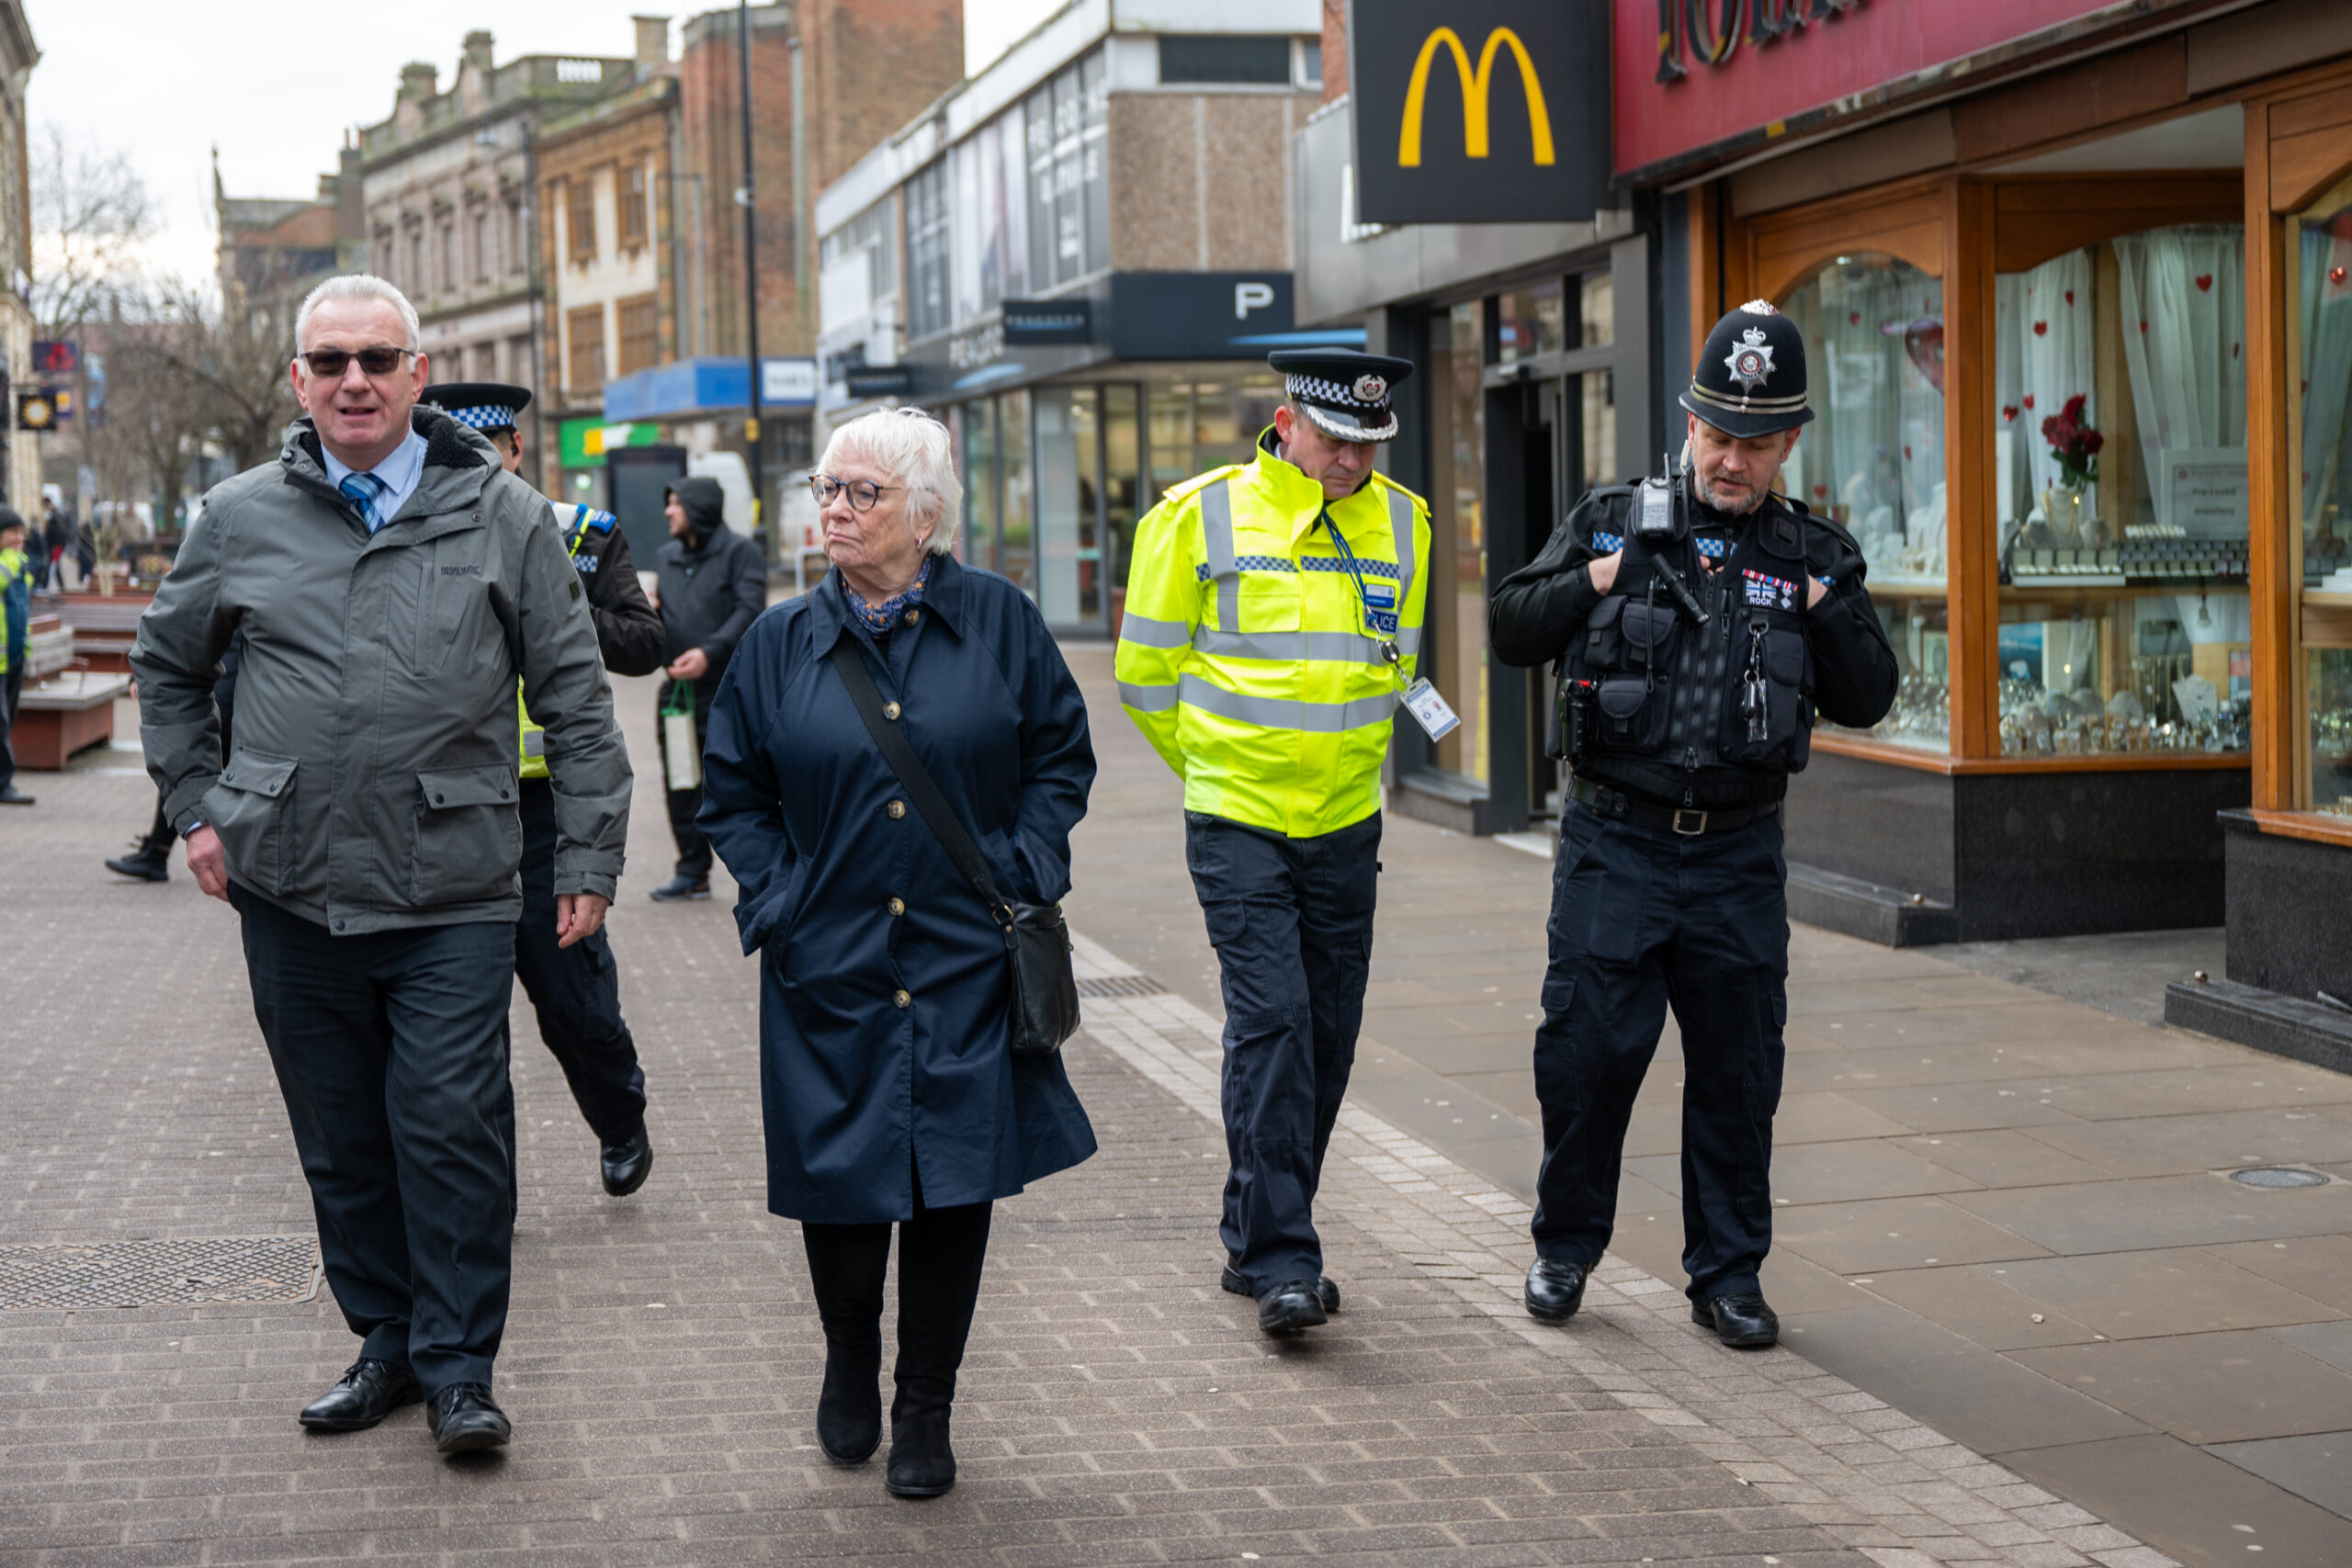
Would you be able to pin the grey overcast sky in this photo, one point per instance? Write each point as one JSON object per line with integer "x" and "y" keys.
{"x": 274, "y": 83}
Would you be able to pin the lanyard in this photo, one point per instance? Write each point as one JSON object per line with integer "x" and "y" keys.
{"x": 1388, "y": 650}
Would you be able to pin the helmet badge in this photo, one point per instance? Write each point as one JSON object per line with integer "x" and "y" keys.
{"x": 1750, "y": 360}
{"x": 1370, "y": 388}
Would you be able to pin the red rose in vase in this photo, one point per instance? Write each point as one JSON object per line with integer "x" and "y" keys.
{"x": 2073, "y": 443}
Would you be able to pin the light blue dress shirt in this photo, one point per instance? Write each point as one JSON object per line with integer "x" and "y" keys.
{"x": 400, "y": 474}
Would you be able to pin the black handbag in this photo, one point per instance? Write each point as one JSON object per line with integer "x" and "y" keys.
{"x": 1036, "y": 940}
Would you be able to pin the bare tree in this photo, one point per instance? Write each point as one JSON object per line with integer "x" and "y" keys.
{"x": 230, "y": 360}
{"x": 92, "y": 214}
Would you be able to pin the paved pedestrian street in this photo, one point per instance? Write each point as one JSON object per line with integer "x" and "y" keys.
{"x": 662, "y": 1360}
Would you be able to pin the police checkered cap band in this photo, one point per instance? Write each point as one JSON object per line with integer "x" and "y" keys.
{"x": 1337, "y": 393}
{"x": 489, "y": 416}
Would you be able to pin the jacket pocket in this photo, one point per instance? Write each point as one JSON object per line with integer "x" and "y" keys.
{"x": 469, "y": 835}
{"x": 248, "y": 808}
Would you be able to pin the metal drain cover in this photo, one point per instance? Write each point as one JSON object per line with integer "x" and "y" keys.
{"x": 160, "y": 1273}
{"x": 1122, "y": 985}
{"x": 2278, "y": 1175}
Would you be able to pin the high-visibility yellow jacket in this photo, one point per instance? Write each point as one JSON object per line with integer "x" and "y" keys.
{"x": 1245, "y": 656}
{"x": 14, "y": 571}
{"x": 573, "y": 520}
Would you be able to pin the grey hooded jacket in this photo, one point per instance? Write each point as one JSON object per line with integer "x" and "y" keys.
{"x": 373, "y": 783}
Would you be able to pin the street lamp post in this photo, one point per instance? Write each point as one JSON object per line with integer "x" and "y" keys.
{"x": 750, "y": 272}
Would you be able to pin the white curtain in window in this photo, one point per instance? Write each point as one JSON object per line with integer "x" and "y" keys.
{"x": 2326, "y": 295}
{"x": 2183, "y": 329}
{"x": 1875, "y": 346}
{"x": 2045, "y": 325}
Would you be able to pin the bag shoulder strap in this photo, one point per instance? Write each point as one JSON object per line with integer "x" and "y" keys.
{"x": 944, "y": 824}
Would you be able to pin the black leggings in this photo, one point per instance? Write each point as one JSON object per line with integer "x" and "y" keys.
{"x": 941, "y": 1252}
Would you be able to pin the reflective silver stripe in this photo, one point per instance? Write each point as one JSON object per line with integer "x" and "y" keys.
{"x": 1145, "y": 632}
{"x": 1400, "y": 524}
{"x": 1148, "y": 699}
{"x": 1217, "y": 535}
{"x": 1338, "y": 647}
{"x": 1284, "y": 713}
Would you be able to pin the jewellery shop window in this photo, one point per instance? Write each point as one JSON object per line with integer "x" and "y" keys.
{"x": 2120, "y": 486}
{"x": 2319, "y": 319}
{"x": 1873, "y": 460}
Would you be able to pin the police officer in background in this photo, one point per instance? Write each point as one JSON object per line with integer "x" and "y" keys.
{"x": 1699, "y": 622}
{"x": 1273, "y": 612}
{"x": 576, "y": 990}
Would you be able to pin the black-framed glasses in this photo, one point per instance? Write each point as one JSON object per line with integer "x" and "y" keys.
{"x": 330, "y": 363}
{"x": 863, "y": 493}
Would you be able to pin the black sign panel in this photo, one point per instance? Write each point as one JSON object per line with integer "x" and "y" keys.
{"x": 1048, "y": 320}
{"x": 1479, "y": 111}
{"x": 879, "y": 381}
{"x": 1200, "y": 315}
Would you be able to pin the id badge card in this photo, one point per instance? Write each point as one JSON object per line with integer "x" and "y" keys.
{"x": 1430, "y": 710}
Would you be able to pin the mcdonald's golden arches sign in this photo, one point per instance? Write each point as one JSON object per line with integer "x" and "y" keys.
{"x": 1479, "y": 111}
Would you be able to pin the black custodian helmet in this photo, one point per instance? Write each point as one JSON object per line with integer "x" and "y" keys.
{"x": 1750, "y": 380}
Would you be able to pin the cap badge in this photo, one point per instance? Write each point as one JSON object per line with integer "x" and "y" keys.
{"x": 1370, "y": 388}
{"x": 1750, "y": 360}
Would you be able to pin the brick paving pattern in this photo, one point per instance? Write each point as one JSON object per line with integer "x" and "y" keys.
{"x": 662, "y": 1360}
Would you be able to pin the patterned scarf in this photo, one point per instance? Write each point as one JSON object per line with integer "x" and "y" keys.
{"x": 880, "y": 618}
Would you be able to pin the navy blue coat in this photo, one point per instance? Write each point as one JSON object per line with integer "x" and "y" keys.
{"x": 857, "y": 1091}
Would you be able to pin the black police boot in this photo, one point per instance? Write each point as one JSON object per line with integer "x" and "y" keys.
{"x": 681, "y": 887}
{"x": 11, "y": 796}
{"x": 626, "y": 1163}
{"x": 1326, "y": 1290}
{"x": 1743, "y": 1323}
{"x": 367, "y": 1392}
{"x": 1289, "y": 1307}
{"x": 464, "y": 1417}
{"x": 150, "y": 862}
{"x": 1554, "y": 1290}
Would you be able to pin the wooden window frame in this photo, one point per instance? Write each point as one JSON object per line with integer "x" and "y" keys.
{"x": 579, "y": 194}
{"x": 576, "y": 342}
{"x": 636, "y": 203}
{"x": 626, "y": 362}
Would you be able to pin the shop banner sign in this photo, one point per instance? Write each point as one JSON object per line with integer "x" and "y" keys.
{"x": 1047, "y": 321}
{"x": 878, "y": 381}
{"x": 1694, "y": 80}
{"x": 584, "y": 441}
{"x": 790, "y": 381}
{"x": 1201, "y": 315}
{"x": 1479, "y": 111}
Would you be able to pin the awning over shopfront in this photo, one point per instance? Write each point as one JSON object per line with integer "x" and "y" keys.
{"x": 691, "y": 388}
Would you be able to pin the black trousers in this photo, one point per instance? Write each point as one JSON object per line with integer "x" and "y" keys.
{"x": 1644, "y": 919}
{"x": 576, "y": 990}
{"x": 941, "y": 1253}
{"x": 12, "y": 687}
{"x": 1291, "y": 919}
{"x": 392, "y": 1052}
{"x": 694, "y": 850}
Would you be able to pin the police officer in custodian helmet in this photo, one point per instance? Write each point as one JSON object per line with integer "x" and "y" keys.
{"x": 1699, "y": 622}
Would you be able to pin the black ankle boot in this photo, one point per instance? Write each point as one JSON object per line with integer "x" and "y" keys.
{"x": 150, "y": 862}
{"x": 921, "y": 1462}
{"x": 849, "y": 1411}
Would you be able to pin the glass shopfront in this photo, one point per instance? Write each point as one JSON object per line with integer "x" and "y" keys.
{"x": 2319, "y": 317}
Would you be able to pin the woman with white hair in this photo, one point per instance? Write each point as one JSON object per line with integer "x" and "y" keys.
{"x": 888, "y": 1086}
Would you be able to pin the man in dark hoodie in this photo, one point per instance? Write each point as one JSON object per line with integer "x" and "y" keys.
{"x": 713, "y": 585}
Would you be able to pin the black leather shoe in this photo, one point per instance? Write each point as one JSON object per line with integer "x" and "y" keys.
{"x": 464, "y": 1417}
{"x": 149, "y": 863}
{"x": 1743, "y": 1323}
{"x": 1325, "y": 1291}
{"x": 849, "y": 1411}
{"x": 1290, "y": 1306}
{"x": 922, "y": 1464}
{"x": 370, "y": 1390}
{"x": 12, "y": 795}
{"x": 1554, "y": 1290}
{"x": 682, "y": 887}
{"x": 626, "y": 1164}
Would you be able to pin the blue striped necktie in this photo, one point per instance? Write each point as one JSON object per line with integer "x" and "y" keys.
{"x": 363, "y": 490}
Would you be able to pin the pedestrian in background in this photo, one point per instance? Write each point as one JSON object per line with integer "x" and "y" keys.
{"x": 574, "y": 989}
{"x": 1273, "y": 613}
{"x": 17, "y": 571}
{"x": 391, "y": 586}
{"x": 888, "y": 1086}
{"x": 56, "y": 542}
{"x": 712, "y": 585}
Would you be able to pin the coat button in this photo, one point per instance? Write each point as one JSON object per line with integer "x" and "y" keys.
{"x": 896, "y": 809}
{"x": 913, "y": 616}
{"x": 889, "y": 710}
{"x": 897, "y": 907}
{"x": 902, "y": 1000}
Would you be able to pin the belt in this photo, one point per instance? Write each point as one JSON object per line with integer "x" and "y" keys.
{"x": 1687, "y": 820}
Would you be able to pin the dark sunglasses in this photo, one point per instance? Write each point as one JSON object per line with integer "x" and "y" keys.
{"x": 863, "y": 493}
{"x": 330, "y": 363}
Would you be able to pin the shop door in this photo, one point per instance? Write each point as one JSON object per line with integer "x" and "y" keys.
{"x": 1525, "y": 460}
{"x": 637, "y": 478}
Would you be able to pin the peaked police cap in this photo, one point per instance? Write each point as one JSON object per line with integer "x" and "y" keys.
{"x": 485, "y": 405}
{"x": 1344, "y": 391}
{"x": 1750, "y": 378}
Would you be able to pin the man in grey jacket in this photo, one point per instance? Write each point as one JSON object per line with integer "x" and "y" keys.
{"x": 391, "y": 585}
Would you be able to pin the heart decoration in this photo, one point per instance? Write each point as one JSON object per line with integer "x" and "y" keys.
{"x": 1923, "y": 340}
{"x": 2204, "y": 283}
{"x": 2009, "y": 413}
{"x": 2143, "y": 327}
{"x": 2070, "y": 297}
{"x": 2233, "y": 351}
{"x": 1854, "y": 318}
{"x": 2041, "y": 329}
{"x": 1820, "y": 491}
{"x": 2335, "y": 276}
{"x": 2029, "y": 399}
{"x": 1907, "y": 451}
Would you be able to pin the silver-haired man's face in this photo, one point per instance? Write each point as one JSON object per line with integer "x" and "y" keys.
{"x": 359, "y": 413}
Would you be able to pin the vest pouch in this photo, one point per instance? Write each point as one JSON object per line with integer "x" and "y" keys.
{"x": 1648, "y": 634}
{"x": 1604, "y": 636}
{"x": 1787, "y": 728}
{"x": 1630, "y": 713}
